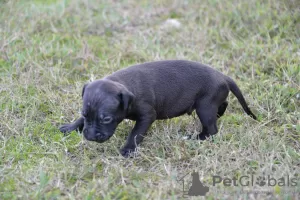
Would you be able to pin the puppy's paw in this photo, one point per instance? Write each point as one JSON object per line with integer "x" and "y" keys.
{"x": 202, "y": 136}
{"x": 127, "y": 152}
{"x": 66, "y": 128}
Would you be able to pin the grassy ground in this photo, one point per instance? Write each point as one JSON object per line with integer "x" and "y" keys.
{"x": 49, "y": 49}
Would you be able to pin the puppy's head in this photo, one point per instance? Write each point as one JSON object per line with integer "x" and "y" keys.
{"x": 105, "y": 105}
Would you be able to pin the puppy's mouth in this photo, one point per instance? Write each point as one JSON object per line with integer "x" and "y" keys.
{"x": 99, "y": 141}
{"x": 100, "y": 138}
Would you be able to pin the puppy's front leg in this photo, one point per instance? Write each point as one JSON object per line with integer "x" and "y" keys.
{"x": 136, "y": 136}
{"x": 77, "y": 125}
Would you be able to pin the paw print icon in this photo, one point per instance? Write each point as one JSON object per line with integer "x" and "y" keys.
{"x": 261, "y": 181}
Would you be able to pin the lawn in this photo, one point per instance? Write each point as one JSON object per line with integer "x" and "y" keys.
{"x": 50, "y": 48}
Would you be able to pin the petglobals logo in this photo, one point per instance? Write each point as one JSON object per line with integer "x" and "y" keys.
{"x": 193, "y": 186}
{"x": 251, "y": 180}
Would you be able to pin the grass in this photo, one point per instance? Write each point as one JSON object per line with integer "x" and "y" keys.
{"x": 49, "y": 49}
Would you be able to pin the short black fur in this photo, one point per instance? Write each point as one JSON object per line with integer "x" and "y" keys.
{"x": 153, "y": 91}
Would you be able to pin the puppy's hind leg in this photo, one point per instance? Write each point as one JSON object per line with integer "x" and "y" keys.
{"x": 77, "y": 125}
{"x": 207, "y": 113}
{"x": 222, "y": 109}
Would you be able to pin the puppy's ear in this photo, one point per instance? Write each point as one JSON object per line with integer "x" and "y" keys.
{"x": 83, "y": 89}
{"x": 126, "y": 98}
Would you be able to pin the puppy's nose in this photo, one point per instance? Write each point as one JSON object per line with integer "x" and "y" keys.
{"x": 87, "y": 135}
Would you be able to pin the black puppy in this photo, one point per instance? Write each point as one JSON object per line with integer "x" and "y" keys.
{"x": 151, "y": 91}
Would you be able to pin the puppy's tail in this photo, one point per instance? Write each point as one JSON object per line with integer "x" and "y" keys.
{"x": 237, "y": 92}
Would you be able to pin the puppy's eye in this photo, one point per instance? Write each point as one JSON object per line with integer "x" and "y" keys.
{"x": 107, "y": 120}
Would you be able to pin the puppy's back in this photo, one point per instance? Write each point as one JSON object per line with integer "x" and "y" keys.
{"x": 168, "y": 72}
